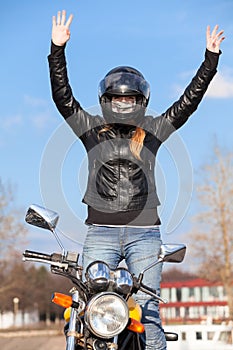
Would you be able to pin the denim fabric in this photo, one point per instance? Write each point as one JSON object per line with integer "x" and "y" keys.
{"x": 139, "y": 247}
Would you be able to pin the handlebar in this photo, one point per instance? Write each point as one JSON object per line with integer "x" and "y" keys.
{"x": 62, "y": 262}
{"x": 54, "y": 259}
{"x": 151, "y": 292}
{"x": 28, "y": 254}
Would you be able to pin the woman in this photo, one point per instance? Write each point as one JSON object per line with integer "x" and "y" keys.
{"x": 122, "y": 220}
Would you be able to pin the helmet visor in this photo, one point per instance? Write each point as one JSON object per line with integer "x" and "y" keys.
{"x": 124, "y": 83}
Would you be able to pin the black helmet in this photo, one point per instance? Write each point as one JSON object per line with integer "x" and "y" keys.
{"x": 124, "y": 81}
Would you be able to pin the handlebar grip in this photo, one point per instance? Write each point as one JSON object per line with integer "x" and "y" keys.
{"x": 29, "y": 254}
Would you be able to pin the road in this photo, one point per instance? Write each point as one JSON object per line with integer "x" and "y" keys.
{"x": 32, "y": 341}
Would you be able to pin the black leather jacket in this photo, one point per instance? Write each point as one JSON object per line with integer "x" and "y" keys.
{"x": 117, "y": 180}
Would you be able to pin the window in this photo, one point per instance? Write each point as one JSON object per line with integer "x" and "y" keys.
{"x": 214, "y": 292}
{"x": 226, "y": 337}
{"x": 178, "y": 294}
{"x": 183, "y": 336}
{"x": 177, "y": 312}
{"x": 199, "y": 335}
{"x": 191, "y": 293}
{"x": 210, "y": 335}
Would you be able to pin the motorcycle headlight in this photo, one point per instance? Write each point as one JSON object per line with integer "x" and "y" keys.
{"x": 98, "y": 275}
{"x": 107, "y": 315}
{"x": 123, "y": 280}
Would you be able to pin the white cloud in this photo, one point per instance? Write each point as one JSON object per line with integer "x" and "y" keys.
{"x": 221, "y": 86}
{"x": 34, "y": 101}
{"x": 38, "y": 112}
{"x": 11, "y": 122}
{"x": 41, "y": 120}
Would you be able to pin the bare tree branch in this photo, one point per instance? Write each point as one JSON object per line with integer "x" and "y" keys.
{"x": 212, "y": 235}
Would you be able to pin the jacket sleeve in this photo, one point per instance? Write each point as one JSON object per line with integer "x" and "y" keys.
{"x": 78, "y": 119}
{"x": 176, "y": 115}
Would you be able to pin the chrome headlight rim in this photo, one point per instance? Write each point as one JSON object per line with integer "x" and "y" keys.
{"x": 92, "y": 310}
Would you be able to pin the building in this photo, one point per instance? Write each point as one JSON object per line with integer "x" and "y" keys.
{"x": 193, "y": 300}
{"x": 19, "y": 319}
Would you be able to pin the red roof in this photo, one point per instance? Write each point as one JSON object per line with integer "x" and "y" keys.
{"x": 197, "y": 282}
{"x": 193, "y": 303}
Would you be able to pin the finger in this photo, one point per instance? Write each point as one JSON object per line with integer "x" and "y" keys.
{"x": 208, "y": 31}
{"x": 220, "y": 40}
{"x": 214, "y": 30}
{"x": 59, "y": 17}
{"x": 63, "y": 17}
{"x": 220, "y": 33}
{"x": 68, "y": 23}
{"x": 54, "y": 21}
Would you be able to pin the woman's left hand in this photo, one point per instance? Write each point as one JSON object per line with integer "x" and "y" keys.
{"x": 214, "y": 39}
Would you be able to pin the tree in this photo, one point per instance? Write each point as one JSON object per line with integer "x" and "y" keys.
{"x": 212, "y": 236}
{"x": 175, "y": 274}
{"x": 43, "y": 287}
{"x": 33, "y": 286}
{"x": 12, "y": 235}
{"x": 12, "y": 230}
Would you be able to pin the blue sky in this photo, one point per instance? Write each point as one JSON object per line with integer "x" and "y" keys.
{"x": 163, "y": 39}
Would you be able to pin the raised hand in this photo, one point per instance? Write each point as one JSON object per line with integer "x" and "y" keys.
{"x": 214, "y": 39}
{"x": 60, "y": 28}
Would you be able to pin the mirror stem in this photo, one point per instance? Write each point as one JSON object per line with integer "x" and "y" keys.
{"x": 59, "y": 241}
{"x": 160, "y": 259}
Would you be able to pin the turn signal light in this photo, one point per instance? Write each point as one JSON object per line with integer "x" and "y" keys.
{"x": 62, "y": 299}
{"x": 136, "y": 326}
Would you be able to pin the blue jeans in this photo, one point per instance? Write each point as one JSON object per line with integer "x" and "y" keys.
{"x": 139, "y": 247}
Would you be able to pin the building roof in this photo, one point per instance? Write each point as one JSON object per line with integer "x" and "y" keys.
{"x": 196, "y": 282}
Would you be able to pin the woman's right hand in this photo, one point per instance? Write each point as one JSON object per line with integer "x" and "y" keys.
{"x": 60, "y": 28}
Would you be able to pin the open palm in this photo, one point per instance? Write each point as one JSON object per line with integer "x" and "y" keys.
{"x": 60, "y": 28}
{"x": 214, "y": 39}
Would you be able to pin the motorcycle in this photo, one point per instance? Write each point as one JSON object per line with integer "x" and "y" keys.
{"x": 100, "y": 312}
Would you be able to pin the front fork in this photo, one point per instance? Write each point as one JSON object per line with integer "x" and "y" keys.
{"x": 72, "y": 332}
